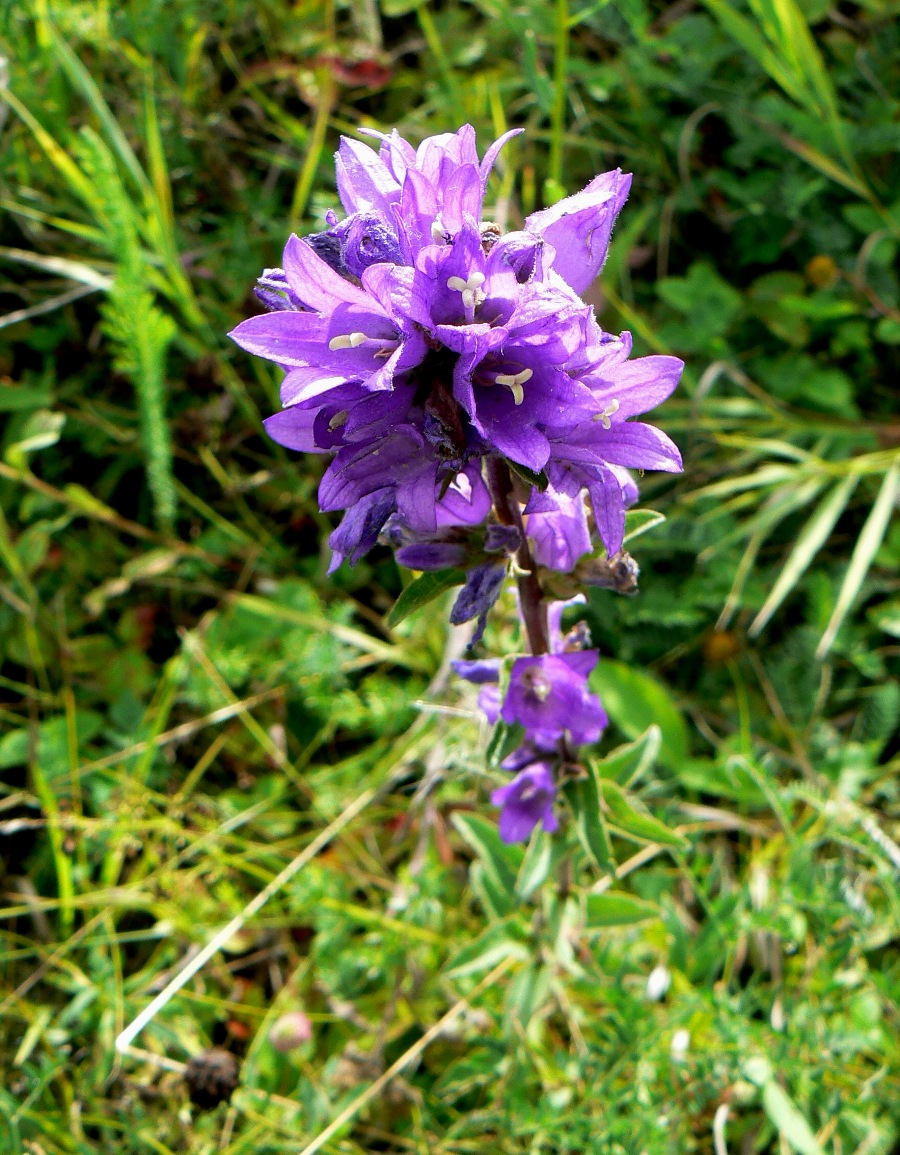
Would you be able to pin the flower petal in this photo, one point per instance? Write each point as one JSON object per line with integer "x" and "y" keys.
{"x": 579, "y": 227}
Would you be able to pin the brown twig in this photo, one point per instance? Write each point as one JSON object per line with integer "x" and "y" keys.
{"x": 531, "y": 596}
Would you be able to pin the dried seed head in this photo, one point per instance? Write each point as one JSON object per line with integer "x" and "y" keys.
{"x": 211, "y": 1077}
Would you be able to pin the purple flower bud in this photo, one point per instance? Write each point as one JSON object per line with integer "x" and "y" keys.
{"x": 359, "y": 530}
{"x": 501, "y": 539}
{"x": 433, "y": 555}
{"x": 366, "y": 239}
{"x": 480, "y": 671}
{"x": 483, "y": 586}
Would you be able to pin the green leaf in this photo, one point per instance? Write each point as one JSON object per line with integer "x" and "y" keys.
{"x": 616, "y": 909}
{"x": 491, "y": 947}
{"x": 82, "y": 80}
{"x": 496, "y": 902}
{"x": 422, "y": 590}
{"x": 787, "y": 1117}
{"x": 864, "y": 551}
{"x": 538, "y": 480}
{"x": 584, "y": 799}
{"x": 638, "y": 521}
{"x": 502, "y": 862}
{"x": 537, "y": 863}
{"x": 394, "y": 8}
{"x": 626, "y": 812}
{"x": 627, "y": 763}
{"x": 887, "y": 617}
{"x": 888, "y": 331}
{"x": 41, "y": 430}
{"x": 635, "y": 700}
{"x": 811, "y": 539}
{"x": 528, "y": 992}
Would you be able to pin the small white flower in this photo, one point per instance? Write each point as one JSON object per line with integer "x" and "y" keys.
{"x": 658, "y": 983}
{"x": 681, "y": 1040}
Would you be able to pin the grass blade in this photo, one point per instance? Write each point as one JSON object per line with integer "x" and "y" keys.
{"x": 864, "y": 552}
{"x": 62, "y": 266}
{"x": 56, "y": 154}
{"x": 781, "y": 503}
{"x": 84, "y": 82}
{"x": 812, "y": 537}
{"x": 748, "y": 36}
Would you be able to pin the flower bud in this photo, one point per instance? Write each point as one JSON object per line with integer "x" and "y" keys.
{"x": 290, "y": 1031}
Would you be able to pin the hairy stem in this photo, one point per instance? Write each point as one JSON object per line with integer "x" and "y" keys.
{"x": 531, "y": 596}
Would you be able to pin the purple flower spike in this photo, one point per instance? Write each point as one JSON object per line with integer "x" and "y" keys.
{"x": 525, "y": 802}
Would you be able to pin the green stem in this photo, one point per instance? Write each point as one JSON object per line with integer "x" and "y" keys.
{"x": 560, "y": 68}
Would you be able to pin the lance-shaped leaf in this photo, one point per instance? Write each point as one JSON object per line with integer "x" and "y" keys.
{"x": 583, "y": 796}
{"x": 639, "y": 521}
{"x": 422, "y": 590}
{"x": 491, "y": 947}
{"x": 627, "y": 763}
{"x": 634, "y": 700}
{"x": 538, "y": 862}
{"x": 812, "y": 537}
{"x": 615, "y": 909}
{"x": 501, "y": 860}
{"x": 627, "y": 813}
{"x": 866, "y": 547}
{"x": 778, "y": 506}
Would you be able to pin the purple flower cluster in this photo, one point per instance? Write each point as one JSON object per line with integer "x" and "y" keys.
{"x": 474, "y": 411}
{"x": 418, "y": 341}
{"x": 548, "y": 696}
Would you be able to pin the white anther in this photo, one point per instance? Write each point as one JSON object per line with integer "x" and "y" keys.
{"x": 537, "y": 685}
{"x": 338, "y": 419}
{"x": 438, "y": 233}
{"x": 612, "y": 407}
{"x": 347, "y": 341}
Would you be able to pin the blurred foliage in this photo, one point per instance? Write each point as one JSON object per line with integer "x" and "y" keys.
{"x": 186, "y": 699}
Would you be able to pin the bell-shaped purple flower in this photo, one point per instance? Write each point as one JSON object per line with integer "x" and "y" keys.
{"x": 549, "y": 696}
{"x": 525, "y": 802}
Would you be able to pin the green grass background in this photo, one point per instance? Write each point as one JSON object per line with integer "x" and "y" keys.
{"x": 186, "y": 700}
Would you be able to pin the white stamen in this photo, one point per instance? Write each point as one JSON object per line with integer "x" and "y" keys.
{"x": 511, "y": 379}
{"x": 438, "y": 233}
{"x": 514, "y": 383}
{"x": 518, "y": 393}
{"x": 347, "y": 341}
{"x": 338, "y": 419}
{"x": 472, "y": 295}
{"x": 537, "y": 685}
{"x": 612, "y": 407}
{"x": 475, "y": 281}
